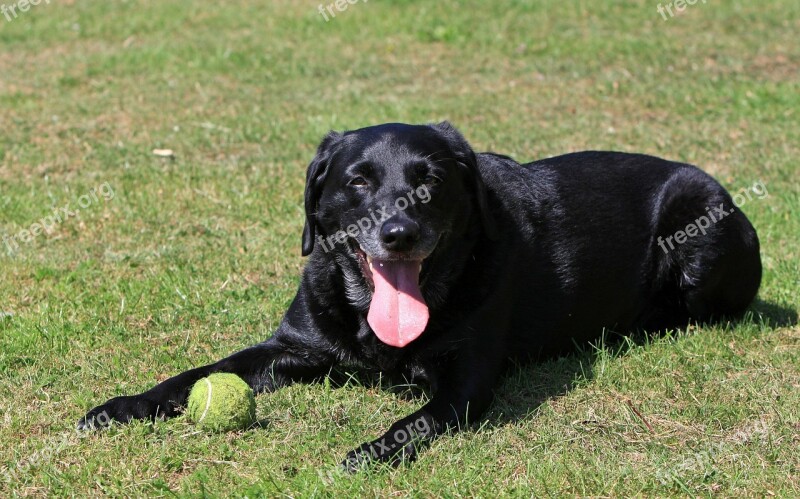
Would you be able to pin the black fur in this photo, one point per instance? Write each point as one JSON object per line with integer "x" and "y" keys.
{"x": 520, "y": 261}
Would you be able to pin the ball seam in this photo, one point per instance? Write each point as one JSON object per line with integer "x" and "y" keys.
{"x": 208, "y": 400}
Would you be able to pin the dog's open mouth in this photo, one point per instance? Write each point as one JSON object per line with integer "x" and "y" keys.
{"x": 397, "y": 313}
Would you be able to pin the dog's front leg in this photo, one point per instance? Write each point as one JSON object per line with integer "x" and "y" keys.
{"x": 264, "y": 367}
{"x": 466, "y": 390}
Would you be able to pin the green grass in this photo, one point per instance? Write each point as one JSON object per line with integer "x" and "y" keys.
{"x": 195, "y": 258}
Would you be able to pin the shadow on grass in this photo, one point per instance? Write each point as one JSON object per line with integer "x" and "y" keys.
{"x": 774, "y": 315}
{"x": 526, "y": 386}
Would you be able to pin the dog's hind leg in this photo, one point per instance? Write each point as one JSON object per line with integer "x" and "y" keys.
{"x": 711, "y": 268}
{"x": 721, "y": 283}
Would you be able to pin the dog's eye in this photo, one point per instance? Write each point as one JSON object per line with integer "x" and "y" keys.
{"x": 431, "y": 180}
{"x": 358, "y": 181}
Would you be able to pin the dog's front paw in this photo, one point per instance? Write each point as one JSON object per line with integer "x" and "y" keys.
{"x": 384, "y": 450}
{"x": 124, "y": 410}
{"x": 400, "y": 444}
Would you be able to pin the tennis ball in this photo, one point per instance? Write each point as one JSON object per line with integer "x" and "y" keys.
{"x": 222, "y": 402}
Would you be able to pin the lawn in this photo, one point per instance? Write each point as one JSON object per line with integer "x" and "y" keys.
{"x": 150, "y": 265}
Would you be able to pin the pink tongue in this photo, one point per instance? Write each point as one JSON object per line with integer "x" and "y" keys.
{"x": 398, "y": 313}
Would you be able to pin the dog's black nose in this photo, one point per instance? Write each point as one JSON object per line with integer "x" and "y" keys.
{"x": 399, "y": 235}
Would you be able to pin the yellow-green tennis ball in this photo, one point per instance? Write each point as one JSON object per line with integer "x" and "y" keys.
{"x": 222, "y": 402}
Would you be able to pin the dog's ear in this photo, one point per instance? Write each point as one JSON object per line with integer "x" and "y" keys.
{"x": 315, "y": 178}
{"x": 465, "y": 156}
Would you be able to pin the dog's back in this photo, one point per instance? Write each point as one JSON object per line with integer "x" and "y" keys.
{"x": 591, "y": 237}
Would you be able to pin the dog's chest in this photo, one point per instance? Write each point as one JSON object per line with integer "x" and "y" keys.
{"x": 372, "y": 353}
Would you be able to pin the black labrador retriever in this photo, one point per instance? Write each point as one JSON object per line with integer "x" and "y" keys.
{"x": 438, "y": 265}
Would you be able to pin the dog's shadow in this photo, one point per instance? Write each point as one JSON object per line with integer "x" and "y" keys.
{"x": 773, "y": 315}
{"x": 525, "y": 387}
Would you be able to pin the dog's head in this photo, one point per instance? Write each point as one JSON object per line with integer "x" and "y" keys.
{"x": 381, "y": 201}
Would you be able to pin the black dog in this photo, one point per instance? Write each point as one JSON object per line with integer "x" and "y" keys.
{"x": 434, "y": 263}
